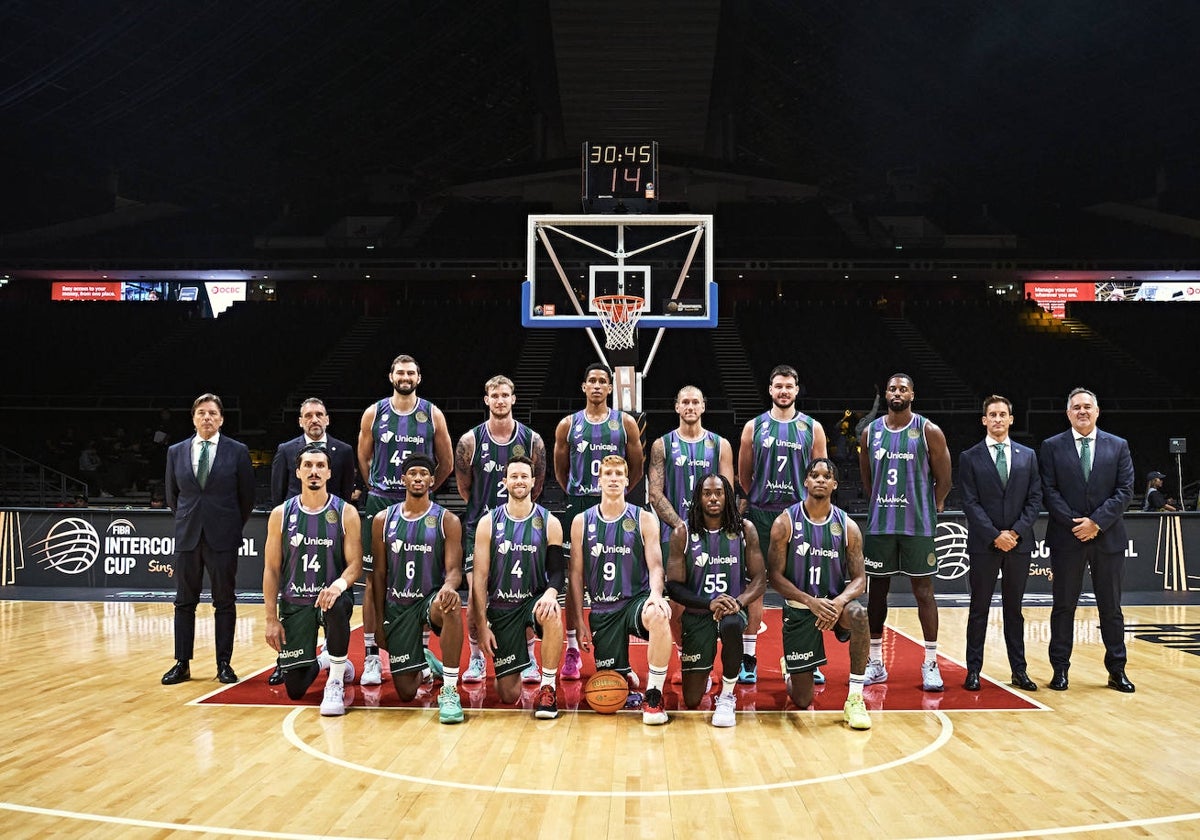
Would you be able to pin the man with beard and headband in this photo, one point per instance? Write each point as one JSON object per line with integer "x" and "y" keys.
{"x": 816, "y": 565}
{"x": 391, "y": 430}
{"x": 905, "y": 466}
{"x": 581, "y": 441}
{"x": 714, "y": 570}
{"x": 313, "y": 556}
{"x": 519, "y": 569}
{"x": 773, "y": 457}
{"x": 480, "y": 459}
{"x": 417, "y": 545}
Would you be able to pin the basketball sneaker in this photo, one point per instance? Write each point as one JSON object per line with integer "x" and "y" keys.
{"x": 476, "y": 671}
{"x": 725, "y": 714}
{"x": 570, "y": 665}
{"x": 372, "y": 671}
{"x": 433, "y": 664}
{"x": 876, "y": 673}
{"x": 653, "y": 713}
{"x": 545, "y": 707}
{"x": 854, "y": 712}
{"x": 333, "y": 703}
{"x": 449, "y": 705}
{"x": 818, "y": 677}
{"x": 323, "y": 664}
{"x": 532, "y": 673}
{"x": 931, "y": 677}
{"x": 749, "y": 670}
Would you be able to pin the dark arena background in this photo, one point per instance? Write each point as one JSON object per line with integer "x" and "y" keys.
{"x": 272, "y": 202}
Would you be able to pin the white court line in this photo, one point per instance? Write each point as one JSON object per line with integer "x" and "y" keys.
{"x": 289, "y": 731}
{"x": 1073, "y": 829}
{"x": 167, "y": 826}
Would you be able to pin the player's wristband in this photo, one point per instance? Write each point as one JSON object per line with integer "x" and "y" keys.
{"x": 339, "y": 585}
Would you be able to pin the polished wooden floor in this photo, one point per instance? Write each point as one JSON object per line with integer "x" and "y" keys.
{"x": 96, "y": 747}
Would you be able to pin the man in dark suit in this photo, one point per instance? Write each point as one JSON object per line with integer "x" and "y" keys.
{"x": 343, "y": 458}
{"x": 1087, "y": 482}
{"x": 210, "y": 486}
{"x": 343, "y": 462}
{"x": 1002, "y": 494}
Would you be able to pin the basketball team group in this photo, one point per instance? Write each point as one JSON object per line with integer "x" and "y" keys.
{"x": 690, "y": 571}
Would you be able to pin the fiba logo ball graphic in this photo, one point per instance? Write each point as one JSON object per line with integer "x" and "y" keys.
{"x": 950, "y": 543}
{"x": 70, "y": 546}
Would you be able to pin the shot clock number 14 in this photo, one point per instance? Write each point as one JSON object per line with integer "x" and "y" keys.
{"x": 620, "y": 176}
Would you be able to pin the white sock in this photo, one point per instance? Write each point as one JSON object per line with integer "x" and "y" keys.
{"x": 529, "y": 645}
{"x": 548, "y": 676}
{"x": 750, "y": 644}
{"x": 728, "y": 684}
{"x": 425, "y": 634}
{"x": 449, "y": 676}
{"x": 856, "y": 683}
{"x": 476, "y": 653}
{"x": 931, "y": 651}
{"x": 337, "y": 668}
{"x": 657, "y": 678}
{"x": 572, "y": 640}
{"x": 876, "y": 654}
{"x": 369, "y": 646}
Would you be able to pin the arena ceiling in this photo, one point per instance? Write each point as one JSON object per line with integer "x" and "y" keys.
{"x": 267, "y": 119}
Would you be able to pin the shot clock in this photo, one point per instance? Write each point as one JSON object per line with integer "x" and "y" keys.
{"x": 620, "y": 177}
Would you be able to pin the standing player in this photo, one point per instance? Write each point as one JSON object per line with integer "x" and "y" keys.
{"x": 905, "y": 463}
{"x": 314, "y": 548}
{"x": 581, "y": 441}
{"x": 479, "y": 464}
{"x": 715, "y": 569}
{"x": 418, "y": 544}
{"x": 773, "y": 457}
{"x": 518, "y": 573}
{"x": 615, "y": 549}
{"x": 391, "y": 430}
{"x": 816, "y": 563}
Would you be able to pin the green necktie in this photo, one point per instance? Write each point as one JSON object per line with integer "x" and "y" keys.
{"x": 1001, "y": 464}
{"x": 1085, "y": 457}
{"x": 204, "y": 464}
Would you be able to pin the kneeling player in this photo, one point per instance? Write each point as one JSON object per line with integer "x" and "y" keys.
{"x": 816, "y": 565}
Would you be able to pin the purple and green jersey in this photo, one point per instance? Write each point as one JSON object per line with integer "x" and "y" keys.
{"x": 901, "y": 483}
{"x": 589, "y": 444}
{"x": 715, "y": 565}
{"x": 782, "y": 451}
{"x": 488, "y": 465}
{"x": 518, "y": 558}
{"x": 396, "y": 437}
{"x": 816, "y": 553}
{"x": 415, "y": 551}
{"x": 312, "y": 549}
{"x": 614, "y": 560}
{"x": 684, "y": 463}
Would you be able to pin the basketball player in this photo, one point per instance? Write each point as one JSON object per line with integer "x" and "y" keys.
{"x": 518, "y": 572}
{"x": 773, "y": 457}
{"x": 905, "y": 465}
{"x": 418, "y": 544}
{"x": 314, "y": 547}
{"x": 479, "y": 462}
{"x": 615, "y": 550}
{"x": 390, "y": 431}
{"x": 581, "y": 441}
{"x": 816, "y": 563}
{"x": 715, "y": 568}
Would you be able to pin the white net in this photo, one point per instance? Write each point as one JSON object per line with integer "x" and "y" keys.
{"x": 619, "y": 316}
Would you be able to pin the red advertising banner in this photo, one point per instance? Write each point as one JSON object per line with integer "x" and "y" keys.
{"x": 86, "y": 290}
{"x": 1054, "y": 297}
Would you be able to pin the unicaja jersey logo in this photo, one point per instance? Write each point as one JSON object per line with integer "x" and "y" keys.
{"x": 296, "y": 540}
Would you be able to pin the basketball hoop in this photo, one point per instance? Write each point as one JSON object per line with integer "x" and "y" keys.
{"x": 619, "y": 316}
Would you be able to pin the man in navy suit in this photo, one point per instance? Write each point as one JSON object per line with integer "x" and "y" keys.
{"x": 1002, "y": 494}
{"x": 1087, "y": 482}
{"x": 343, "y": 463}
{"x": 210, "y": 486}
{"x": 343, "y": 458}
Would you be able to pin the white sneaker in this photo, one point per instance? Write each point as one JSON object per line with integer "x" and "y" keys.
{"x": 725, "y": 713}
{"x": 372, "y": 671}
{"x": 532, "y": 674}
{"x": 818, "y": 677}
{"x": 931, "y": 677}
{"x": 876, "y": 673}
{"x": 333, "y": 704}
{"x": 476, "y": 671}
{"x": 323, "y": 664}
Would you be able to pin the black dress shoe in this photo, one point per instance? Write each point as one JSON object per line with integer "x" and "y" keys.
{"x": 1059, "y": 683}
{"x": 225, "y": 673}
{"x": 971, "y": 683}
{"x": 1120, "y": 682}
{"x": 276, "y": 676}
{"x": 180, "y": 672}
{"x": 1021, "y": 680}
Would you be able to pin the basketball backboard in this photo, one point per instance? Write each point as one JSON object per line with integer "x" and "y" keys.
{"x": 665, "y": 259}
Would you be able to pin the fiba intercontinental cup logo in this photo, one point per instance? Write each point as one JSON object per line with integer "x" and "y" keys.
{"x": 950, "y": 544}
{"x": 71, "y": 546}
